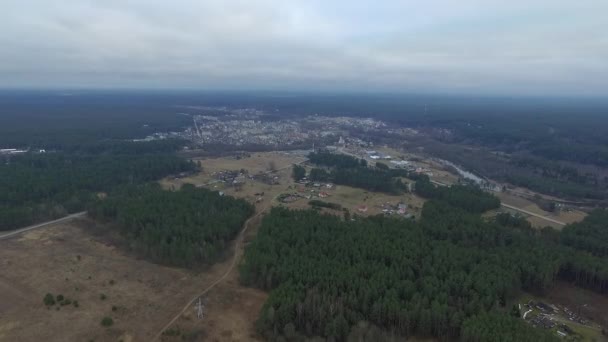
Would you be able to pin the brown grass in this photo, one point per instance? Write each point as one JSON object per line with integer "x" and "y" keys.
{"x": 46, "y": 261}
{"x": 563, "y": 216}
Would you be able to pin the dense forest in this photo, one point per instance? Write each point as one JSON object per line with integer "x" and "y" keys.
{"x": 467, "y": 197}
{"x": 452, "y": 274}
{"x": 347, "y": 170}
{"x": 39, "y": 186}
{"x": 62, "y": 120}
{"x": 184, "y": 228}
{"x": 590, "y": 235}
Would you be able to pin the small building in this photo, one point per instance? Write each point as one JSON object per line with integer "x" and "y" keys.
{"x": 362, "y": 208}
{"x": 401, "y": 209}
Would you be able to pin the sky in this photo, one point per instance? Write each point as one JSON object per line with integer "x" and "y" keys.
{"x": 510, "y": 47}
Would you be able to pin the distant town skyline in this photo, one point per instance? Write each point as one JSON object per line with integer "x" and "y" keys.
{"x": 502, "y": 47}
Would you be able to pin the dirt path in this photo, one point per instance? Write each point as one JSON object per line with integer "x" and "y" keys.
{"x": 238, "y": 251}
{"x": 42, "y": 225}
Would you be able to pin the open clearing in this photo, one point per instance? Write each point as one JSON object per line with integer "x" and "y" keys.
{"x": 523, "y": 203}
{"x": 69, "y": 259}
{"x": 230, "y": 309}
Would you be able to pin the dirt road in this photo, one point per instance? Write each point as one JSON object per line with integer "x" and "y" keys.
{"x": 238, "y": 251}
{"x": 42, "y": 225}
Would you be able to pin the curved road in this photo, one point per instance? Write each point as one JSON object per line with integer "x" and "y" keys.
{"x": 42, "y": 225}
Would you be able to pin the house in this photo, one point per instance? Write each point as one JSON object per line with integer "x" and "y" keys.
{"x": 401, "y": 208}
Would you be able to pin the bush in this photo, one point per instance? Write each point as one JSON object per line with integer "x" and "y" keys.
{"x": 103, "y": 296}
{"x": 382, "y": 166}
{"x": 172, "y": 332}
{"x": 49, "y": 300}
{"x": 321, "y": 204}
{"x": 59, "y": 298}
{"x": 107, "y": 322}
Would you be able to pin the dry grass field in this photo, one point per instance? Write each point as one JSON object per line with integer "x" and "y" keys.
{"x": 71, "y": 260}
{"x": 563, "y": 216}
{"x": 352, "y": 198}
{"x": 230, "y": 309}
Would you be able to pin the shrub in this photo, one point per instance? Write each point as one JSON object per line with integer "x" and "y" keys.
{"x": 49, "y": 300}
{"x": 172, "y": 332}
{"x": 107, "y": 322}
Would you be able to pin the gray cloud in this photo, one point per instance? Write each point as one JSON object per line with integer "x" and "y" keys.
{"x": 540, "y": 47}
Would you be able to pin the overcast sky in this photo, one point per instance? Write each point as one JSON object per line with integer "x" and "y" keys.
{"x": 460, "y": 46}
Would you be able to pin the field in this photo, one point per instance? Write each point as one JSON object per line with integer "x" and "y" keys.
{"x": 566, "y": 216}
{"x": 74, "y": 260}
{"x": 230, "y": 309}
{"x": 352, "y": 198}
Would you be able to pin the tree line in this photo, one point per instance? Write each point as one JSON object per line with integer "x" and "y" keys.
{"x": 188, "y": 227}
{"x": 468, "y": 197}
{"x": 347, "y": 170}
{"x": 39, "y": 186}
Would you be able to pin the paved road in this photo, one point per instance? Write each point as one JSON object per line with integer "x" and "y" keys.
{"x": 518, "y": 209}
{"x": 533, "y": 214}
{"x": 42, "y": 225}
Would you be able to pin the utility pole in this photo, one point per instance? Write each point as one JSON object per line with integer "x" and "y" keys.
{"x": 199, "y": 308}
